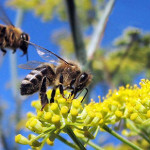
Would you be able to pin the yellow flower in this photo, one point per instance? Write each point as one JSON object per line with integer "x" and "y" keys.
{"x": 130, "y": 102}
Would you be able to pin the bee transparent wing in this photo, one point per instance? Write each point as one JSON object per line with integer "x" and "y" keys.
{"x": 47, "y": 54}
{"x": 4, "y": 17}
{"x": 30, "y": 65}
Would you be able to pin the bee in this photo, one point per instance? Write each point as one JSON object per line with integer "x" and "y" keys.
{"x": 12, "y": 37}
{"x": 62, "y": 75}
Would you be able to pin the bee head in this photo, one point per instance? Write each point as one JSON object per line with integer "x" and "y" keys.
{"x": 82, "y": 81}
{"x": 23, "y": 44}
{"x": 24, "y": 36}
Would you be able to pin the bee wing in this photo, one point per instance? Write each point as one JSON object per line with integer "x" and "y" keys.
{"x": 30, "y": 65}
{"x": 48, "y": 55}
{"x": 45, "y": 55}
{"x": 4, "y": 17}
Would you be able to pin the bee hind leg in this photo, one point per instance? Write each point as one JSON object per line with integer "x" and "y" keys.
{"x": 43, "y": 95}
{"x": 4, "y": 51}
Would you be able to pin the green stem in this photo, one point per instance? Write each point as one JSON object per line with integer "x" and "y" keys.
{"x": 95, "y": 146}
{"x": 76, "y": 32}
{"x": 99, "y": 29}
{"x": 135, "y": 129}
{"x": 74, "y": 138}
{"x": 38, "y": 137}
{"x": 43, "y": 142}
{"x": 121, "y": 138}
{"x": 42, "y": 134}
{"x": 66, "y": 142}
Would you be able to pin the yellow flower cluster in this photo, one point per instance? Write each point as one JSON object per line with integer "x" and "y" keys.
{"x": 54, "y": 119}
{"x": 130, "y": 103}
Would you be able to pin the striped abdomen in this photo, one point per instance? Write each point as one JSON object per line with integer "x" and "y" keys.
{"x": 32, "y": 82}
{"x": 2, "y": 33}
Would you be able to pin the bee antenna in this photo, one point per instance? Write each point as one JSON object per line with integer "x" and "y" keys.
{"x": 47, "y": 51}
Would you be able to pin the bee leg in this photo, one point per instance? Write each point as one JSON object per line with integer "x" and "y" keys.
{"x": 61, "y": 79}
{"x": 43, "y": 95}
{"x": 61, "y": 90}
{"x": 71, "y": 87}
{"x": 84, "y": 95}
{"x": 53, "y": 95}
{"x": 72, "y": 92}
{"x": 4, "y": 51}
{"x": 14, "y": 51}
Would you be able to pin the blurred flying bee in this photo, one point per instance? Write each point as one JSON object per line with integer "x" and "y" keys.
{"x": 12, "y": 37}
{"x": 57, "y": 73}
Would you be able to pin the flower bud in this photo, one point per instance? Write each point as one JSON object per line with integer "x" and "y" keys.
{"x": 55, "y": 108}
{"x": 89, "y": 117}
{"x": 21, "y": 139}
{"x": 56, "y": 120}
{"x": 64, "y": 111}
{"x": 36, "y": 104}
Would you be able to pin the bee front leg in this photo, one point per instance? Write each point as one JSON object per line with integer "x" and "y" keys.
{"x": 4, "y": 51}
{"x": 71, "y": 87}
{"x": 61, "y": 89}
{"x": 43, "y": 95}
{"x": 53, "y": 95}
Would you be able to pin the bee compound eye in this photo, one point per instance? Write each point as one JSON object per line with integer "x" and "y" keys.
{"x": 83, "y": 77}
{"x": 24, "y": 36}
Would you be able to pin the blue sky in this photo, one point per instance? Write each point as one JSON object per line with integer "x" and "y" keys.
{"x": 126, "y": 13}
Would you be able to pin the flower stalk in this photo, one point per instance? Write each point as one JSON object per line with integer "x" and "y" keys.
{"x": 76, "y": 32}
{"x": 95, "y": 146}
{"x": 66, "y": 142}
{"x": 115, "y": 134}
{"x": 74, "y": 138}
